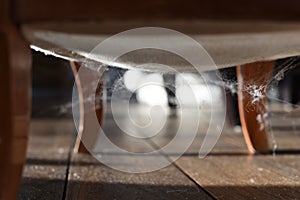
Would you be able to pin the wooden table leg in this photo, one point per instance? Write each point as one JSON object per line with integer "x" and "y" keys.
{"x": 253, "y": 81}
{"x": 15, "y": 70}
{"x": 80, "y": 147}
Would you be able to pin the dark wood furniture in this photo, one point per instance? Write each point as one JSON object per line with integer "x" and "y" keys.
{"x": 15, "y": 59}
{"x": 15, "y": 102}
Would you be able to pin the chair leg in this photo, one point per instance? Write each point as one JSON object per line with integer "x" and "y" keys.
{"x": 15, "y": 110}
{"x": 253, "y": 81}
{"x": 80, "y": 146}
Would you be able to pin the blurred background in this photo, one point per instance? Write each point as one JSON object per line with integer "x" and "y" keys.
{"x": 52, "y": 89}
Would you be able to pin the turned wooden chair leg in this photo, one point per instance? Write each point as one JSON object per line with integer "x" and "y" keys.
{"x": 253, "y": 81}
{"x": 15, "y": 110}
{"x": 90, "y": 139}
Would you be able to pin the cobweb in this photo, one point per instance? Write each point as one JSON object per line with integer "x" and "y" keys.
{"x": 280, "y": 107}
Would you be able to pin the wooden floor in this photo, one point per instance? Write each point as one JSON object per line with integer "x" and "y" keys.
{"x": 52, "y": 171}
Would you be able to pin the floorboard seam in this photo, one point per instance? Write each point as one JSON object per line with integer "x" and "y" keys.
{"x": 189, "y": 177}
{"x": 155, "y": 146}
{"x": 64, "y": 196}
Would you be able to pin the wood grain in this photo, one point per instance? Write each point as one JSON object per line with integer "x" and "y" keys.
{"x": 252, "y": 98}
{"x": 79, "y": 147}
{"x": 246, "y": 177}
{"x": 228, "y": 172}
{"x": 5, "y": 114}
{"x": 46, "y": 166}
{"x": 15, "y": 60}
{"x": 85, "y": 140}
{"x": 88, "y": 179}
{"x": 35, "y": 10}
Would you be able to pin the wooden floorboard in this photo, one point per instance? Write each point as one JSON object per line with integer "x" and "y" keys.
{"x": 44, "y": 174}
{"x": 88, "y": 179}
{"x": 228, "y": 172}
{"x": 246, "y": 177}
